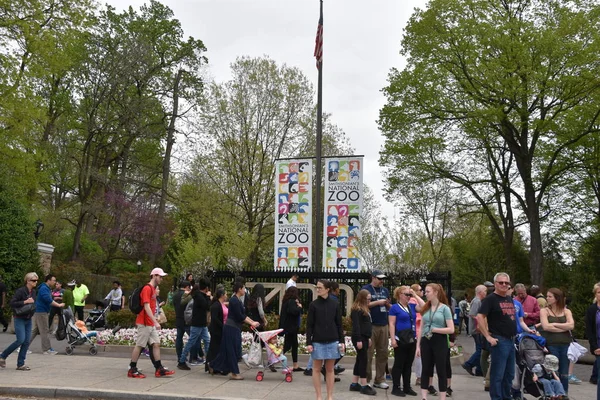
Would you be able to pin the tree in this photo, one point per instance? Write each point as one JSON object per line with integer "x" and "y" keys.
{"x": 515, "y": 73}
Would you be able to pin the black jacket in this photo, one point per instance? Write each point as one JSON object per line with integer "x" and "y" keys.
{"x": 200, "y": 310}
{"x": 324, "y": 322}
{"x": 22, "y": 294}
{"x": 361, "y": 325}
{"x": 290, "y": 316}
{"x": 216, "y": 319}
{"x": 590, "y": 327}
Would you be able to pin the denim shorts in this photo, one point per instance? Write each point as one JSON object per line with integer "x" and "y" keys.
{"x": 325, "y": 351}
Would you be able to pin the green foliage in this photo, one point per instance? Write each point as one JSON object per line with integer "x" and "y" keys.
{"x": 18, "y": 249}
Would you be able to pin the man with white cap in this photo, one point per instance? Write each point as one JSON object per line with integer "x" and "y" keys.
{"x": 379, "y": 306}
{"x": 147, "y": 327}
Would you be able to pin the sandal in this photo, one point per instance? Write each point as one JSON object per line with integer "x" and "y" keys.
{"x": 23, "y": 368}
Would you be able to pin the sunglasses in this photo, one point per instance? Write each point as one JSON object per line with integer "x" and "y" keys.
{"x": 503, "y": 282}
{"x": 407, "y": 294}
{"x": 380, "y": 278}
{"x": 33, "y": 280}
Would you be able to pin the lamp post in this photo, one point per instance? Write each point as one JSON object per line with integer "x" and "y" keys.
{"x": 39, "y": 227}
{"x": 139, "y": 265}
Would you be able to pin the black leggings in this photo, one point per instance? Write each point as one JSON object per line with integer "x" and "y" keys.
{"x": 404, "y": 356}
{"x": 290, "y": 341}
{"x": 434, "y": 352}
{"x": 360, "y": 364}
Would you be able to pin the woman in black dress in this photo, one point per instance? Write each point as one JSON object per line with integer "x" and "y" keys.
{"x": 231, "y": 343}
{"x": 218, "y": 315}
{"x": 289, "y": 321}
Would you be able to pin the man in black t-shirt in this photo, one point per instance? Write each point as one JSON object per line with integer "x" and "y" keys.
{"x": 2, "y": 304}
{"x": 496, "y": 321}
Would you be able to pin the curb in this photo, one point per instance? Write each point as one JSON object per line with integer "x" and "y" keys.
{"x": 78, "y": 393}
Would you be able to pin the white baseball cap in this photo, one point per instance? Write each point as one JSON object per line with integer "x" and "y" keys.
{"x": 158, "y": 271}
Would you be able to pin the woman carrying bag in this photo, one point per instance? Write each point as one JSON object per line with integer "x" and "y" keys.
{"x": 22, "y": 312}
{"x": 402, "y": 322}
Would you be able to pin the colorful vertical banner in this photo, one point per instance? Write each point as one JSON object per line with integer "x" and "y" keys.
{"x": 343, "y": 195}
{"x": 293, "y": 215}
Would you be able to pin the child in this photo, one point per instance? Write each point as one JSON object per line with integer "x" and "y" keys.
{"x": 81, "y": 326}
{"x": 546, "y": 374}
{"x": 277, "y": 354}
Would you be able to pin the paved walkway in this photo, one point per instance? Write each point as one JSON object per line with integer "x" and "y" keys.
{"x": 104, "y": 376}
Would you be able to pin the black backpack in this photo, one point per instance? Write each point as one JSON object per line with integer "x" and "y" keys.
{"x": 61, "y": 330}
{"x": 135, "y": 304}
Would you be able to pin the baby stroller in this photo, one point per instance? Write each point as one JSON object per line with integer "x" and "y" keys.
{"x": 97, "y": 317}
{"x": 530, "y": 351}
{"x": 74, "y": 336}
{"x": 254, "y": 356}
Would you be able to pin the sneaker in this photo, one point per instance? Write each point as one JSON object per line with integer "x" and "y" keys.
{"x": 468, "y": 369}
{"x": 197, "y": 362}
{"x": 50, "y": 352}
{"x": 355, "y": 387}
{"x": 308, "y": 372}
{"x": 388, "y": 377}
{"x": 449, "y": 392}
{"x": 368, "y": 390}
{"x": 2, "y": 362}
{"x": 23, "y": 368}
{"x": 272, "y": 368}
{"x": 410, "y": 392}
{"x": 574, "y": 380}
{"x": 398, "y": 392}
{"x": 594, "y": 381}
{"x": 381, "y": 385}
{"x": 146, "y": 352}
{"x": 135, "y": 373}
{"x": 338, "y": 369}
{"x": 163, "y": 372}
{"x": 432, "y": 390}
{"x": 183, "y": 366}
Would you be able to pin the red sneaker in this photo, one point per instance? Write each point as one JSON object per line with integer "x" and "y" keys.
{"x": 163, "y": 372}
{"x": 134, "y": 373}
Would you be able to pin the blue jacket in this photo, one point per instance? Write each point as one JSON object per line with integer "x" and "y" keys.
{"x": 44, "y": 299}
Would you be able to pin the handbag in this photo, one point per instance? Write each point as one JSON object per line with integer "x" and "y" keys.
{"x": 161, "y": 318}
{"x": 255, "y": 353}
{"x": 25, "y": 310}
{"x": 405, "y": 336}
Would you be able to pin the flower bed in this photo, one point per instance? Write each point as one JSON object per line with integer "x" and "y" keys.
{"x": 126, "y": 337}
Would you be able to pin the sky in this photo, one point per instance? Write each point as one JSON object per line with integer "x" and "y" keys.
{"x": 361, "y": 45}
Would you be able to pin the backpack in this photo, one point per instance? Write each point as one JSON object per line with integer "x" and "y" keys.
{"x": 135, "y": 303}
{"x": 188, "y": 312}
{"x": 61, "y": 330}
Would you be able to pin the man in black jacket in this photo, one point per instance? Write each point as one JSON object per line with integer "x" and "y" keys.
{"x": 199, "y": 325}
{"x": 179, "y": 305}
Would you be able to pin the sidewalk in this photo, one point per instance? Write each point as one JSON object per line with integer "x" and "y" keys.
{"x": 104, "y": 376}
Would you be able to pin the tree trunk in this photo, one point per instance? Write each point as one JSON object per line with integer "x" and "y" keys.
{"x": 166, "y": 171}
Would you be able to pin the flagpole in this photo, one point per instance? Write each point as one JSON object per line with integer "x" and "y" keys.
{"x": 318, "y": 225}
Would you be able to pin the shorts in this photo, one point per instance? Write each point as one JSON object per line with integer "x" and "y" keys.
{"x": 146, "y": 335}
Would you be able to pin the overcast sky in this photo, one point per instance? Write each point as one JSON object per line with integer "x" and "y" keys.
{"x": 361, "y": 44}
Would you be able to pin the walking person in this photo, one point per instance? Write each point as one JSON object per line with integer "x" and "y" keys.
{"x": 463, "y": 314}
{"x": 436, "y": 324}
{"x": 115, "y": 297}
{"x": 592, "y": 326}
{"x": 474, "y": 362}
{"x": 24, "y": 295}
{"x": 289, "y": 321}
{"x": 57, "y": 296}
{"x": 324, "y": 336}
{"x": 218, "y": 317}
{"x": 403, "y": 333}
{"x": 80, "y": 295}
{"x": 179, "y": 307}
{"x": 147, "y": 328}
{"x": 557, "y": 322}
{"x": 231, "y": 343}
{"x": 199, "y": 325}
{"x": 2, "y": 304}
{"x": 497, "y": 322}
{"x": 379, "y": 306}
{"x": 43, "y": 304}
{"x": 361, "y": 339}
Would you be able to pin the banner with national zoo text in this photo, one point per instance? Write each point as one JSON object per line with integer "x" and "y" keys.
{"x": 293, "y": 215}
{"x": 343, "y": 195}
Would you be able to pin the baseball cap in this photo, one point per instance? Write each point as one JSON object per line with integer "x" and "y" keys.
{"x": 488, "y": 284}
{"x": 158, "y": 271}
{"x": 378, "y": 274}
{"x": 72, "y": 283}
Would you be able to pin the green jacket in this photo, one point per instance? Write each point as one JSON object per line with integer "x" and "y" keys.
{"x": 68, "y": 299}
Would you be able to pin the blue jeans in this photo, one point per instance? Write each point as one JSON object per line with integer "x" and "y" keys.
{"x": 197, "y": 333}
{"x": 552, "y": 387}
{"x": 474, "y": 360}
{"x": 502, "y": 368}
{"x": 560, "y": 351}
{"x": 23, "y": 332}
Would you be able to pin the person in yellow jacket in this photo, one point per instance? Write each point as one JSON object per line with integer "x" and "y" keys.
{"x": 80, "y": 294}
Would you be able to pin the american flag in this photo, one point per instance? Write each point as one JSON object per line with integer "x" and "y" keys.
{"x": 319, "y": 42}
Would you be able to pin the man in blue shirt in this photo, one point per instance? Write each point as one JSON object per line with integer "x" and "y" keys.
{"x": 43, "y": 303}
{"x": 379, "y": 306}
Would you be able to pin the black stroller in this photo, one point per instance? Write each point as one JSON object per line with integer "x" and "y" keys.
{"x": 97, "y": 317}
{"x": 529, "y": 353}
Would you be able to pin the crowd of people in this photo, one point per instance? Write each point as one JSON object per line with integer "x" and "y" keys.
{"x": 416, "y": 323}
